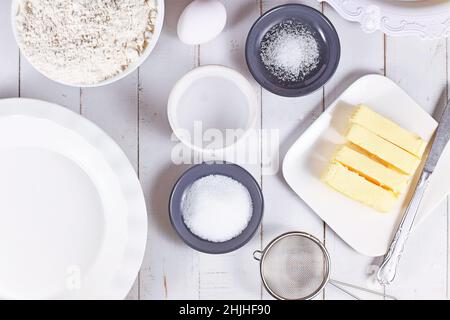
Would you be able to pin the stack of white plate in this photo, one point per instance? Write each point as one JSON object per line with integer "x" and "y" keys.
{"x": 73, "y": 221}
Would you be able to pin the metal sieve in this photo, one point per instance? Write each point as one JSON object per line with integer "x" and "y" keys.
{"x": 296, "y": 266}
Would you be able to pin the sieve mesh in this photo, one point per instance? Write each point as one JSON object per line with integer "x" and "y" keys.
{"x": 295, "y": 267}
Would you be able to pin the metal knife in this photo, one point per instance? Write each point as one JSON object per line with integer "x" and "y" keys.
{"x": 388, "y": 268}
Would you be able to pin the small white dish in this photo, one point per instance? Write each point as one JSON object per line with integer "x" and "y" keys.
{"x": 209, "y": 102}
{"x": 366, "y": 230}
{"x": 73, "y": 222}
{"x": 428, "y": 19}
{"x": 123, "y": 74}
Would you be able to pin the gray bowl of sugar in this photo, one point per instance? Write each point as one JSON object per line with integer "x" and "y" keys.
{"x": 216, "y": 207}
{"x": 292, "y": 50}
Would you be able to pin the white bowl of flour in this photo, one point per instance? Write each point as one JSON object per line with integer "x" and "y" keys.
{"x": 86, "y": 43}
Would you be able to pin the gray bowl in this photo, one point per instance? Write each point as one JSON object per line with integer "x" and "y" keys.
{"x": 325, "y": 34}
{"x": 220, "y": 168}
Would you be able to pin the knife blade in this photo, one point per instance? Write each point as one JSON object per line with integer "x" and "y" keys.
{"x": 388, "y": 268}
{"x": 441, "y": 139}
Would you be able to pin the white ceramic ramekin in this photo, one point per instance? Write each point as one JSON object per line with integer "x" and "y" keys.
{"x": 212, "y": 71}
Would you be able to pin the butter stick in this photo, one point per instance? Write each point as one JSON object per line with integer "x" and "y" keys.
{"x": 372, "y": 170}
{"x": 386, "y": 151}
{"x": 389, "y": 130}
{"x": 357, "y": 188}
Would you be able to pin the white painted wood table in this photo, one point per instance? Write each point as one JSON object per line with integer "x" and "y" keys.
{"x": 133, "y": 112}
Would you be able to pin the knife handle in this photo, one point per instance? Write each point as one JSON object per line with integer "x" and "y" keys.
{"x": 388, "y": 268}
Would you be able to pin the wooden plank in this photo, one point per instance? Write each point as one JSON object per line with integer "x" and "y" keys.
{"x": 9, "y": 62}
{"x": 284, "y": 210}
{"x": 361, "y": 54}
{"x": 34, "y": 85}
{"x": 170, "y": 269}
{"x": 115, "y": 109}
{"x": 419, "y": 67}
{"x": 235, "y": 275}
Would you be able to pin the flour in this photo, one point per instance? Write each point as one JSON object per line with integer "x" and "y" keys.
{"x": 84, "y": 41}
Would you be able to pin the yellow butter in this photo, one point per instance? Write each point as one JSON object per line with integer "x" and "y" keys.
{"x": 386, "y": 151}
{"x": 389, "y": 130}
{"x": 357, "y": 188}
{"x": 371, "y": 169}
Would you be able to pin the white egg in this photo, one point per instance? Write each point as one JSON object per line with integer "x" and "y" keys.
{"x": 201, "y": 21}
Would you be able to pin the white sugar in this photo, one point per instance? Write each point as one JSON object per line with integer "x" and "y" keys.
{"x": 290, "y": 52}
{"x": 216, "y": 208}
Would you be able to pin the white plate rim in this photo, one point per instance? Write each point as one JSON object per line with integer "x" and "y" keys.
{"x": 151, "y": 46}
{"x": 426, "y": 19}
{"x": 119, "y": 163}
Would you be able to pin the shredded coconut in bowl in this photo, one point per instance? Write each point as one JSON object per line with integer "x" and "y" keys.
{"x": 84, "y": 42}
{"x": 290, "y": 51}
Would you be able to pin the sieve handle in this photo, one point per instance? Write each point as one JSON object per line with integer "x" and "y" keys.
{"x": 342, "y": 285}
{"x": 257, "y": 254}
{"x": 388, "y": 269}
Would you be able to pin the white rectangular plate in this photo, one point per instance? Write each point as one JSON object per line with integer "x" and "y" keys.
{"x": 366, "y": 230}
